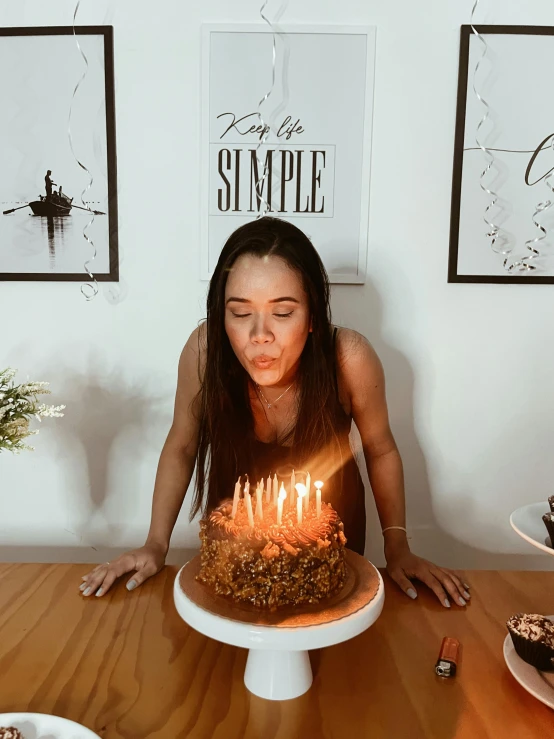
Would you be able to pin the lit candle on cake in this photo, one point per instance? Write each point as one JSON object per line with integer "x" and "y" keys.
{"x": 268, "y": 490}
{"x": 275, "y": 489}
{"x": 259, "y": 491}
{"x": 292, "y": 487}
{"x": 248, "y": 504}
{"x": 318, "y": 485}
{"x": 281, "y": 498}
{"x": 236, "y": 497}
{"x": 307, "y": 496}
{"x": 301, "y": 490}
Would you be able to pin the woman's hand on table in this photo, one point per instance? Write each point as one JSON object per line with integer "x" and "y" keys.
{"x": 403, "y": 566}
{"x": 143, "y": 562}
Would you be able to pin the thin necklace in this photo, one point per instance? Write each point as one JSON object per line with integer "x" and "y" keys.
{"x": 277, "y": 399}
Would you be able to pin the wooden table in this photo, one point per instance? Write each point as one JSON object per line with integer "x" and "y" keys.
{"x": 125, "y": 665}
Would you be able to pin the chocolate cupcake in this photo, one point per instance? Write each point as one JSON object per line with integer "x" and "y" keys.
{"x": 533, "y": 639}
{"x": 10, "y": 732}
{"x": 548, "y": 519}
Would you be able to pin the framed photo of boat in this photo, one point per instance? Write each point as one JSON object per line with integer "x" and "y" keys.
{"x": 58, "y": 184}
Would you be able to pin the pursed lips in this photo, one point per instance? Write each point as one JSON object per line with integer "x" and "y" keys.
{"x": 263, "y": 360}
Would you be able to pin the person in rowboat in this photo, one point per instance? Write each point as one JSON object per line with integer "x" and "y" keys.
{"x": 48, "y": 185}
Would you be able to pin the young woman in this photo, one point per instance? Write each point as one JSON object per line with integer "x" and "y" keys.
{"x": 267, "y": 384}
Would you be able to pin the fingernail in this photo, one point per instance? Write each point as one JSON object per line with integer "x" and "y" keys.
{"x": 466, "y": 585}
{"x": 412, "y": 593}
{"x": 87, "y": 591}
{"x": 82, "y": 586}
{"x": 466, "y": 594}
{"x": 461, "y": 601}
{"x": 131, "y": 585}
{"x": 84, "y": 577}
{"x": 99, "y": 592}
{"x": 447, "y": 602}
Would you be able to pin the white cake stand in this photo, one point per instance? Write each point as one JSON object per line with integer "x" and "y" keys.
{"x": 278, "y": 665}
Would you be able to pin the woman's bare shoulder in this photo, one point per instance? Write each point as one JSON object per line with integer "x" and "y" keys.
{"x": 194, "y": 352}
{"x": 357, "y": 361}
{"x": 353, "y": 346}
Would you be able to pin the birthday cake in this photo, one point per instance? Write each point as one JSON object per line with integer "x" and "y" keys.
{"x": 278, "y": 553}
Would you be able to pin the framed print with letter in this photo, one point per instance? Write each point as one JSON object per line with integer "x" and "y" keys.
{"x": 502, "y": 214}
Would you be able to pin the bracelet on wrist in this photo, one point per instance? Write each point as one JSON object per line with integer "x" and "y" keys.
{"x": 398, "y": 528}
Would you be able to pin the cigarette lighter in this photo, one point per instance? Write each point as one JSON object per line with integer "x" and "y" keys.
{"x": 448, "y": 657}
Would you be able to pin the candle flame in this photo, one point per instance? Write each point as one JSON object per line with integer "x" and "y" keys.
{"x": 301, "y": 489}
{"x": 318, "y": 484}
{"x": 282, "y": 492}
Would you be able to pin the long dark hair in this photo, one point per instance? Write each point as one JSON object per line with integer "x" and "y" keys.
{"x": 226, "y": 427}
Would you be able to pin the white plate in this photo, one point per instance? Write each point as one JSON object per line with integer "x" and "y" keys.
{"x": 527, "y": 522}
{"x": 539, "y": 684}
{"x": 45, "y": 726}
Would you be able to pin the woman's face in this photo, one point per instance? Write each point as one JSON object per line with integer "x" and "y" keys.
{"x": 266, "y": 318}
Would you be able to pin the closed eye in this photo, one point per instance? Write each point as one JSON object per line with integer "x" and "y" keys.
{"x": 241, "y": 315}
{"x": 283, "y": 315}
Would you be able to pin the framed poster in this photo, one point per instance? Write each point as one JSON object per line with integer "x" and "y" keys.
{"x": 52, "y": 98}
{"x": 519, "y": 138}
{"x": 318, "y": 147}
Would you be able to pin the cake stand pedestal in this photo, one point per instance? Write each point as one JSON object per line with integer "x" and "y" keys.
{"x": 278, "y": 665}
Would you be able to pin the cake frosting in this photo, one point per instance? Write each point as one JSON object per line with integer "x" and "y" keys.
{"x": 10, "y": 732}
{"x": 534, "y": 627}
{"x": 312, "y": 530}
{"x": 270, "y": 564}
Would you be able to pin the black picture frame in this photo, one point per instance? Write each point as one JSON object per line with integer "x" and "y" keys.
{"x": 453, "y": 277}
{"x": 107, "y": 33}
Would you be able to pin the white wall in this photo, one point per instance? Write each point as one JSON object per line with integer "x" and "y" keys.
{"x": 468, "y": 366}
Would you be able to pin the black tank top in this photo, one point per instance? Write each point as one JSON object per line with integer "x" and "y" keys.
{"x": 343, "y": 488}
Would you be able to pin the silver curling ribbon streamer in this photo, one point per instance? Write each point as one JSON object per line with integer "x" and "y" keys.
{"x": 115, "y": 292}
{"x": 88, "y": 289}
{"x": 500, "y": 241}
{"x": 525, "y": 264}
{"x": 265, "y": 127}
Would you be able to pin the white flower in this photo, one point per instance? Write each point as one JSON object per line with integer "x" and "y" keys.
{"x": 50, "y": 411}
{"x": 8, "y": 374}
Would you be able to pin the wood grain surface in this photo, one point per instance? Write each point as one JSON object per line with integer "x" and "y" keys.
{"x": 127, "y": 667}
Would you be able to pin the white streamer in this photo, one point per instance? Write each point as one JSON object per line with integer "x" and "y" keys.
{"x": 265, "y": 128}
{"x": 525, "y": 263}
{"x": 88, "y": 289}
{"x": 500, "y": 241}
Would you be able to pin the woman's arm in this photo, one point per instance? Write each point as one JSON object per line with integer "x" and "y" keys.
{"x": 173, "y": 477}
{"x": 178, "y": 455}
{"x": 362, "y": 382}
